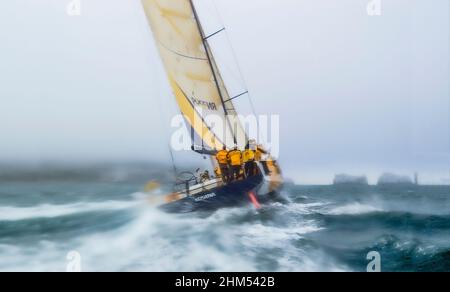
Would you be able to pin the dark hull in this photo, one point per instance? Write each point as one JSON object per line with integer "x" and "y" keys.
{"x": 231, "y": 195}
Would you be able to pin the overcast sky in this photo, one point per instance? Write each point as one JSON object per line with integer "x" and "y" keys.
{"x": 355, "y": 93}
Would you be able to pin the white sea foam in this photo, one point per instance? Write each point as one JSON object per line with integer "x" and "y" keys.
{"x": 52, "y": 211}
{"x": 161, "y": 242}
{"x": 354, "y": 209}
{"x": 156, "y": 241}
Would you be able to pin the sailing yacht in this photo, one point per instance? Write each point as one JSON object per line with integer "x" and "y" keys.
{"x": 200, "y": 91}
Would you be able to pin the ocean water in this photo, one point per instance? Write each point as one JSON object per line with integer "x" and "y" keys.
{"x": 100, "y": 213}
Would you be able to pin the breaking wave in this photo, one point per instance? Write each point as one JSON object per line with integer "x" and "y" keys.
{"x": 320, "y": 228}
{"x": 53, "y": 211}
{"x": 354, "y": 209}
{"x": 238, "y": 239}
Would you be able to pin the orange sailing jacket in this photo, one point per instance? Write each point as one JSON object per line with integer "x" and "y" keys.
{"x": 235, "y": 157}
{"x": 222, "y": 157}
{"x": 249, "y": 155}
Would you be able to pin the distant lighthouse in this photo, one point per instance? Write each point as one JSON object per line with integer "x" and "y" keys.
{"x": 416, "y": 178}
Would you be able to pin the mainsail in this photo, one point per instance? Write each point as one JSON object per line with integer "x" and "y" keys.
{"x": 193, "y": 74}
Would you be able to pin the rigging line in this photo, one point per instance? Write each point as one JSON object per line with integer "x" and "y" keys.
{"x": 260, "y": 134}
{"x": 181, "y": 55}
{"x": 229, "y": 72}
{"x": 235, "y": 58}
{"x": 207, "y": 50}
{"x": 162, "y": 117}
{"x": 175, "y": 170}
{"x": 224, "y": 65}
{"x": 237, "y": 96}
{"x": 213, "y": 34}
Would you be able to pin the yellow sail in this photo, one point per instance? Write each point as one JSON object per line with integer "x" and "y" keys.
{"x": 193, "y": 74}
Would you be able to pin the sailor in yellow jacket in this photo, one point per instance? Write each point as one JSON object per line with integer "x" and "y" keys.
{"x": 222, "y": 160}
{"x": 235, "y": 160}
{"x": 249, "y": 161}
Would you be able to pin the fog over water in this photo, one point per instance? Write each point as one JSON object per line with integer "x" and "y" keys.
{"x": 355, "y": 94}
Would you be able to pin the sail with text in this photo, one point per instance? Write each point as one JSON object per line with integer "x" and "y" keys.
{"x": 193, "y": 74}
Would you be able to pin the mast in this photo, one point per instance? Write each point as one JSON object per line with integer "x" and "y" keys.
{"x": 216, "y": 80}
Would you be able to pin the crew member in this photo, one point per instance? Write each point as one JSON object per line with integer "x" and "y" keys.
{"x": 205, "y": 177}
{"x": 222, "y": 160}
{"x": 235, "y": 161}
{"x": 249, "y": 161}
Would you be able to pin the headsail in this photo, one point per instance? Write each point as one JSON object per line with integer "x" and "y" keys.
{"x": 196, "y": 82}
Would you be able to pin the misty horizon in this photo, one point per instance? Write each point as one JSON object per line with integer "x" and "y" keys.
{"x": 49, "y": 169}
{"x": 356, "y": 94}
